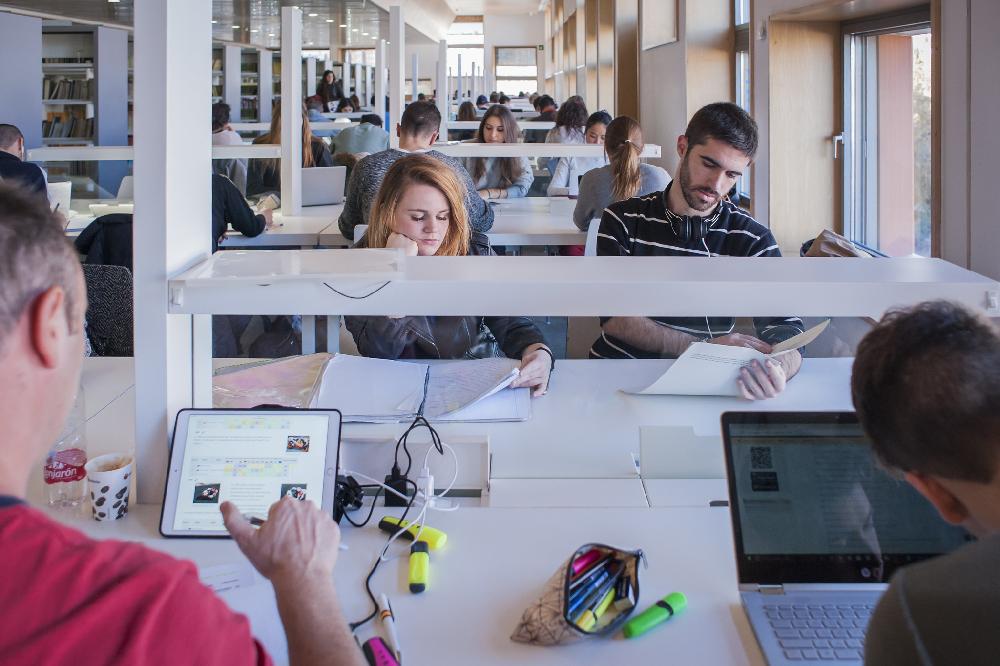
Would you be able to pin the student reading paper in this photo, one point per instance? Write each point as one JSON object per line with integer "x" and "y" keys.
{"x": 419, "y": 208}
{"x": 691, "y": 219}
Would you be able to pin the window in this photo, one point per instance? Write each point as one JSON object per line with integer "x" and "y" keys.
{"x": 465, "y": 39}
{"x": 887, "y": 133}
{"x": 364, "y": 56}
{"x": 516, "y": 69}
{"x": 741, "y": 18}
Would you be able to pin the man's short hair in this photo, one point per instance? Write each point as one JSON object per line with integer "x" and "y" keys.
{"x": 544, "y": 101}
{"x": 726, "y": 122}
{"x": 315, "y": 103}
{"x": 9, "y": 135}
{"x": 420, "y": 119}
{"x": 35, "y": 255}
{"x": 372, "y": 119}
{"x": 220, "y": 115}
{"x": 926, "y": 387}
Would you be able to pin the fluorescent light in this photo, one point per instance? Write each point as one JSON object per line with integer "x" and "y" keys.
{"x": 254, "y": 30}
{"x": 313, "y": 15}
{"x": 270, "y": 34}
{"x": 343, "y": 25}
{"x": 365, "y": 34}
{"x": 354, "y": 29}
{"x": 329, "y": 20}
{"x": 236, "y": 27}
{"x": 214, "y": 21}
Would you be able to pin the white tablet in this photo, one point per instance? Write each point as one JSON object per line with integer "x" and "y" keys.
{"x": 250, "y": 457}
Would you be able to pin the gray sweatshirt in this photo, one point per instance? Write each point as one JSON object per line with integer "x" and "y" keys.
{"x": 595, "y": 191}
{"x": 367, "y": 177}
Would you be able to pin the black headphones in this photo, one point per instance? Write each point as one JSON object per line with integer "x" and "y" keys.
{"x": 691, "y": 229}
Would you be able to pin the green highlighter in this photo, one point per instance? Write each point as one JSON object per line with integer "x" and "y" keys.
{"x": 655, "y": 615}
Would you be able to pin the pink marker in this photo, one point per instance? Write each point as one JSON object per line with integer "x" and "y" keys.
{"x": 377, "y": 653}
{"x": 585, "y": 560}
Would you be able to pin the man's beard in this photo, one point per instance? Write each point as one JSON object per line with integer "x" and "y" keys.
{"x": 684, "y": 176}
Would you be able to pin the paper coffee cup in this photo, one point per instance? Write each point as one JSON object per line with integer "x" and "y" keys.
{"x": 108, "y": 479}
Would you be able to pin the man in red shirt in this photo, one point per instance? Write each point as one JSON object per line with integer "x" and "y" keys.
{"x": 65, "y": 598}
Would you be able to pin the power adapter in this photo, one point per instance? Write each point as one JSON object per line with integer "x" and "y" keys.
{"x": 399, "y": 483}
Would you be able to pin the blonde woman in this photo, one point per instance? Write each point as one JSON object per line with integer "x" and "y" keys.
{"x": 624, "y": 177}
{"x": 419, "y": 209}
{"x": 499, "y": 177}
{"x": 264, "y": 175}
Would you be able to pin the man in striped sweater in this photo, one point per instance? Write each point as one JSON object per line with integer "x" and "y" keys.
{"x": 692, "y": 219}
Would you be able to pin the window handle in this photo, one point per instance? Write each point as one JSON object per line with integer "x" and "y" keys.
{"x": 838, "y": 140}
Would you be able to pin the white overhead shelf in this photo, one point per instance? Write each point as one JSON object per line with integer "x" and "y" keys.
{"x": 578, "y": 286}
{"x": 118, "y": 153}
{"x": 525, "y": 125}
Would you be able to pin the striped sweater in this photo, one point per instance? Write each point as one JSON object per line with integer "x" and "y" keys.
{"x": 644, "y": 226}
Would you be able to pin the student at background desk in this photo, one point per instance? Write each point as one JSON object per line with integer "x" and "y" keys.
{"x": 691, "y": 219}
{"x": 420, "y": 209}
{"x": 13, "y": 168}
{"x": 499, "y": 177}
{"x": 264, "y": 175}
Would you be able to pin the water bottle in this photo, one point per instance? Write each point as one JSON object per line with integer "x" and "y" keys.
{"x": 65, "y": 477}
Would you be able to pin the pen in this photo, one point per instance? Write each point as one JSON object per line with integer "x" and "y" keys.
{"x": 389, "y": 622}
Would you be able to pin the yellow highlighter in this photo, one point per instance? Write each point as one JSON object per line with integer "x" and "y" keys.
{"x": 435, "y": 538}
{"x": 588, "y": 618}
{"x": 420, "y": 565}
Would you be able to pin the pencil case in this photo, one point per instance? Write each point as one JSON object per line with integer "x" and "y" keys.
{"x": 591, "y": 594}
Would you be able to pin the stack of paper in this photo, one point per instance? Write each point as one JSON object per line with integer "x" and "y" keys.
{"x": 711, "y": 369}
{"x": 371, "y": 390}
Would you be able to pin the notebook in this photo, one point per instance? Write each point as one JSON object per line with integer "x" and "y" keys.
{"x": 819, "y": 528}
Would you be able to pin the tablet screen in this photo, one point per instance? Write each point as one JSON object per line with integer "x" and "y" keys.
{"x": 250, "y": 460}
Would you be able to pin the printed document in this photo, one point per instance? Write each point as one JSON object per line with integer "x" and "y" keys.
{"x": 710, "y": 369}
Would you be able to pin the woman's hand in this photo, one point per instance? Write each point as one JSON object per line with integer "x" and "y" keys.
{"x": 486, "y": 194}
{"x": 405, "y": 243}
{"x": 536, "y": 365}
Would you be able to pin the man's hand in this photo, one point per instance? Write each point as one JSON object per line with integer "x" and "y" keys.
{"x": 761, "y": 380}
{"x": 298, "y": 543}
{"x": 405, "y": 243}
{"x": 535, "y": 368}
{"x": 741, "y": 340}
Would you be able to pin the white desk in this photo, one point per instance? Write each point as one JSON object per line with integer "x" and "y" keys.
{"x": 494, "y": 565}
{"x": 585, "y": 428}
{"x": 298, "y": 231}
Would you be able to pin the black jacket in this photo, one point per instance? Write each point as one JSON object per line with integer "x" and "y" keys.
{"x": 107, "y": 240}
{"x": 444, "y": 337}
{"x": 330, "y": 93}
{"x": 261, "y": 180}
{"x": 13, "y": 169}
{"x": 229, "y": 208}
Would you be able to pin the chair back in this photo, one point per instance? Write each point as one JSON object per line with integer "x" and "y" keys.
{"x": 109, "y": 309}
{"x": 590, "y": 249}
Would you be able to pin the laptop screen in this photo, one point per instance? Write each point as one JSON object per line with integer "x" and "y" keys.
{"x": 810, "y": 504}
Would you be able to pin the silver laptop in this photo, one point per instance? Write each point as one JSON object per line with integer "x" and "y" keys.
{"x": 323, "y": 186}
{"x": 819, "y": 528}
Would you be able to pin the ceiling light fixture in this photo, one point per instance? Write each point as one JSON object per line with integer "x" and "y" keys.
{"x": 236, "y": 27}
{"x": 343, "y": 25}
{"x": 329, "y": 20}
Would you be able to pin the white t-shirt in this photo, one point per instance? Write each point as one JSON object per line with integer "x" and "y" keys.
{"x": 226, "y": 137}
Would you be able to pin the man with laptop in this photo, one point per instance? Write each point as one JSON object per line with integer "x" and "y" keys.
{"x": 926, "y": 386}
{"x": 67, "y": 597}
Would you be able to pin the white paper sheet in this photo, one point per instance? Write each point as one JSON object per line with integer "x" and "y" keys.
{"x": 371, "y": 389}
{"x": 455, "y": 386}
{"x": 710, "y": 369}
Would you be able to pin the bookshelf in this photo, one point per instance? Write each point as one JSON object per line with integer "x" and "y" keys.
{"x": 217, "y": 86}
{"x": 67, "y": 99}
{"x": 249, "y": 85}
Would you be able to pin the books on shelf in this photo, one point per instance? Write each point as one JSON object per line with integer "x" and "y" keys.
{"x": 67, "y": 127}
{"x": 77, "y": 89}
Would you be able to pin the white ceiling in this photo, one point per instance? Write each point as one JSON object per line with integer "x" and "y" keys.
{"x": 494, "y": 7}
{"x": 258, "y": 20}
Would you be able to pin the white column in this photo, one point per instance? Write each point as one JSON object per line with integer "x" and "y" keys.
{"x": 415, "y": 67}
{"x": 232, "y": 80}
{"x": 369, "y": 86}
{"x": 461, "y": 82}
{"x": 357, "y": 83}
{"x": 310, "y": 76}
{"x": 441, "y": 98}
{"x": 380, "y": 86}
{"x": 346, "y": 82}
{"x": 173, "y": 151}
{"x": 291, "y": 110}
{"x": 396, "y": 69}
{"x": 265, "y": 84}
{"x": 472, "y": 84}
{"x": 21, "y": 101}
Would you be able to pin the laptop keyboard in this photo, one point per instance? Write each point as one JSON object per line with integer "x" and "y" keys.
{"x": 815, "y": 632}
